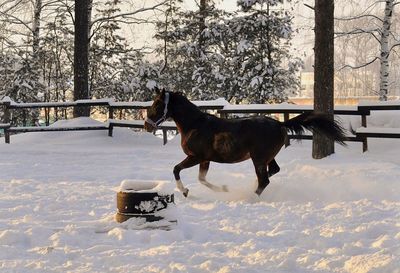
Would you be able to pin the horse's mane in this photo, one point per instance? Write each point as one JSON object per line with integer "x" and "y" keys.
{"x": 180, "y": 99}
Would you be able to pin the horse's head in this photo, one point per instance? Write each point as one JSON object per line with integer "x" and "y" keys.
{"x": 158, "y": 112}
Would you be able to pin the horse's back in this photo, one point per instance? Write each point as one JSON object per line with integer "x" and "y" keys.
{"x": 234, "y": 140}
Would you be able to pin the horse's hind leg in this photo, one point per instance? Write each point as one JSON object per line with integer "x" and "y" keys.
{"x": 273, "y": 168}
{"x": 188, "y": 162}
{"x": 262, "y": 175}
{"x": 204, "y": 166}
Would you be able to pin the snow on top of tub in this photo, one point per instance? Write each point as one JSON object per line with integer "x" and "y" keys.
{"x": 161, "y": 187}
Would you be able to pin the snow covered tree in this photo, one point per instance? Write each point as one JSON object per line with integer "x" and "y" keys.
{"x": 116, "y": 69}
{"x": 266, "y": 68}
{"x": 188, "y": 52}
{"x": 57, "y": 61}
{"x": 242, "y": 56}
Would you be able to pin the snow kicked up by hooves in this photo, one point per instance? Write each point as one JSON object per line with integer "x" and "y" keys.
{"x": 57, "y": 206}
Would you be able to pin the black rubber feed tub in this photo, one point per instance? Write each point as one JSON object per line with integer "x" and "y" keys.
{"x": 142, "y": 200}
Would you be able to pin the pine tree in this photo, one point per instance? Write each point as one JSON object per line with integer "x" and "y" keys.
{"x": 189, "y": 54}
{"x": 266, "y": 68}
{"x": 242, "y": 56}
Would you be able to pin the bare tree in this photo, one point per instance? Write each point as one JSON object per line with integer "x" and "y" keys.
{"x": 380, "y": 30}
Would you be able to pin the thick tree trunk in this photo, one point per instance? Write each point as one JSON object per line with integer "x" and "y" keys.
{"x": 385, "y": 50}
{"x": 323, "y": 71}
{"x": 81, "y": 55}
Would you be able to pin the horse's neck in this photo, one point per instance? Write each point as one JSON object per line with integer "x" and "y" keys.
{"x": 186, "y": 115}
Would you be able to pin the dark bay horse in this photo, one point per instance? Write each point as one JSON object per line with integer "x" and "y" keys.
{"x": 206, "y": 138}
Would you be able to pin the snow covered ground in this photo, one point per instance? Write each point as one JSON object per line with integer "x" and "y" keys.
{"x": 57, "y": 204}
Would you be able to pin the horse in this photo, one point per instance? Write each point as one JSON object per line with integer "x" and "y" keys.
{"x": 206, "y": 138}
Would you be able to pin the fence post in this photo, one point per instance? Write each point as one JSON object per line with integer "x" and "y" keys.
{"x": 364, "y": 124}
{"x": 110, "y": 112}
{"x": 110, "y": 129}
{"x": 286, "y": 118}
{"x": 165, "y": 137}
{"x": 7, "y": 120}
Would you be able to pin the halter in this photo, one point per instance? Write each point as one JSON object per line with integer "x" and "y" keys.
{"x": 164, "y": 117}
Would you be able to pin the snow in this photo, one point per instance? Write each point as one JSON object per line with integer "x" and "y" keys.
{"x": 161, "y": 187}
{"x": 140, "y": 123}
{"x": 151, "y": 84}
{"x": 282, "y": 106}
{"x": 143, "y": 104}
{"x": 6, "y": 99}
{"x": 58, "y": 201}
{"x": 378, "y": 130}
{"x": 88, "y": 101}
{"x": 379, "y": 103}
{"x": 211, "y": 103}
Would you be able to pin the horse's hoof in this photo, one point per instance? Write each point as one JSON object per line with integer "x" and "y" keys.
{"x": 225, "y": 188}
{"x": 259, "y": 191}
{"x": 185, "y": 192}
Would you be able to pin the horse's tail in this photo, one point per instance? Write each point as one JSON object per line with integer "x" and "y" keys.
{"x": 317, "y": 122}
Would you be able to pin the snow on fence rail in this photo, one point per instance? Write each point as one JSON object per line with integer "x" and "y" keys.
{"x": 223, "y": 108}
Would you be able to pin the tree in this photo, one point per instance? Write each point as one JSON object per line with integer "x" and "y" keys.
{"x": 242, "y": 56}
{"x": 382, "y": 35}
{"x": 83, "y": 9}
{"x": 187, "y": 49}
{"x": 267, "y": 69}
{"x": 323, "y": 71}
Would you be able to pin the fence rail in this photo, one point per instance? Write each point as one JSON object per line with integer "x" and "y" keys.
{"x": 222, "y": 107}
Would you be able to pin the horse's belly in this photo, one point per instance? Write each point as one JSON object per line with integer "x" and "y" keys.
{"x": 228, "y": 150}
{"x": 238, "y": 158}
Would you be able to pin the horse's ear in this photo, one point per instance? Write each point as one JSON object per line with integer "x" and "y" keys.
{"x": 157, "y": 90}
{"x": 163, "y": 93}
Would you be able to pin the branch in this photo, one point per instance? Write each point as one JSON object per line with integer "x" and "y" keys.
{"x": 359, "y": 17}
{"x": 373, "y": 4}
{"x": 308, "y": 6}
{"x": 123, "y": 15}
{"x": 16, "y": 20}
{"x": 360, "y": 31}
{"x": 12, "y": 7}
{"x": 361, "y": 66}
{"x": 393, "y": 46}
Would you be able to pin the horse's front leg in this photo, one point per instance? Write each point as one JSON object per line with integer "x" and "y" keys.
{"x": 188, "y": 162}
{"x": 204, "y": 166}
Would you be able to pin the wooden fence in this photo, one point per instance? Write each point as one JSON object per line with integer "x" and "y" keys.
{"x": 223, "y": 108}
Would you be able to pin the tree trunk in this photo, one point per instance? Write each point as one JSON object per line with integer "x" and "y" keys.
{"x": 385, "y": 50}
{"x": 202, "y": 22}
{"x": 81, "y": 55}
{"x": 323, "y": 72}
{"x": 35, "y": 33}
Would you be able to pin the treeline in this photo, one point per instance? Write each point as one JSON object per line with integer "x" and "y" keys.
{"x": 206, "y": 53}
